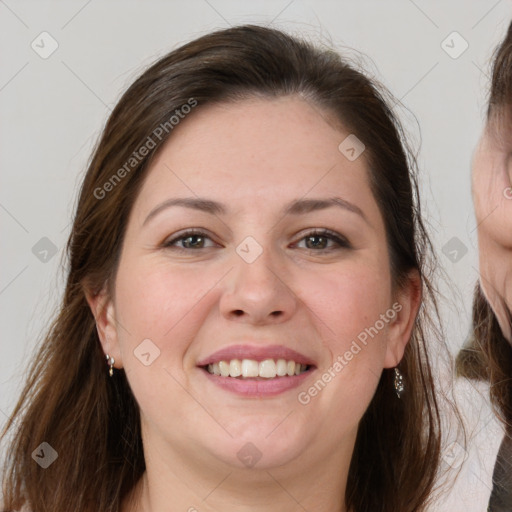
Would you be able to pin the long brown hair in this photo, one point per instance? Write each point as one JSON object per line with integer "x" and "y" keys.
{"x": 488, "y": 355}
{"x": 93, "y": 421}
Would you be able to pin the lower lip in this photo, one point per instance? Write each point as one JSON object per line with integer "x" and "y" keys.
{"x": 258, "y": 388}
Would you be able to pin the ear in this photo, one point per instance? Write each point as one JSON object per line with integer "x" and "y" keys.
{"x": 406, "y": 306}
{"x": 103, "y": 309}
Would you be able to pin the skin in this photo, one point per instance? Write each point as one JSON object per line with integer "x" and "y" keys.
{"x": 255, "y": 156}
{"x": 492, "y": 197}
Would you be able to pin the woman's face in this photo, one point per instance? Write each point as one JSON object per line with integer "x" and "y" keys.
{"x": 258, "y": 282}
{"x": 492, "y": 196}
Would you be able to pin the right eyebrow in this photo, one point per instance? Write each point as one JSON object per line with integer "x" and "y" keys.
{"x": 204, "y": 205}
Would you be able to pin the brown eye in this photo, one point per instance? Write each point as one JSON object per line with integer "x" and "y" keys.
{"x": 193, "y": 241}
{"x": 316, "y": 242}
{"x": 189, "y": 240}
{"x": 325, "y": 240}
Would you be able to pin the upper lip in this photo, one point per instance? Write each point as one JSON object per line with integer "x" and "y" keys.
{"x": 257, "y": 353}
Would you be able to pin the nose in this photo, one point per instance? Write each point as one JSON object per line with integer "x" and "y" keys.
{"x": 258, "y": 293}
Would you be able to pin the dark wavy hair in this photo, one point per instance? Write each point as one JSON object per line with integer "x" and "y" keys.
{"x": 93, "y": 421}
{"x": 488, "y": 354}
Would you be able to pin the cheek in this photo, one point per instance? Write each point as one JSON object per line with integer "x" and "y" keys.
{"x": 160, "y": 312}
{"x": 354, "y": 310}
{"x": 484, "y": 181}
{"x": 161, "y": 304}
{"x": 349, "y": 303}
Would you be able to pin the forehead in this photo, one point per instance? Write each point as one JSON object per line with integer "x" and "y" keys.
{"x": 259, "y": 129}
{"x": 281, "y": 146}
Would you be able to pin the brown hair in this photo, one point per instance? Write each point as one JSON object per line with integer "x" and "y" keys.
{"x": 93, "y": 421}
{"x": 500, "y": 94}
{"x": 488, "y": 355}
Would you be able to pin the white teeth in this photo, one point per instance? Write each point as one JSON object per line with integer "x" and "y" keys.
{"x": 281, "y": 367}
{"x": 250, "y": 368}
{"x": 235, "y": 368}
{"x": 267, "y": 369}
{"x": 224, "y": 368}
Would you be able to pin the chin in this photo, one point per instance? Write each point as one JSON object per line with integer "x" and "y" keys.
{"x": 260, "y": 445}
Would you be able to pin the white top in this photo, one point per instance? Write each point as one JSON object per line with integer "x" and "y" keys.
{"x": 471, "y": 489}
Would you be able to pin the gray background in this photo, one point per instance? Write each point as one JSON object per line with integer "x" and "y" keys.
{"x": 53, "y": 109}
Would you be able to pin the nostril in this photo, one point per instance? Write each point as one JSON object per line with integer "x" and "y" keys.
{"x": 238, "y": 312}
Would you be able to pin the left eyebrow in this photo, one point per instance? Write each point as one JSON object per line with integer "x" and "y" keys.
{"x": 302, "y": 206}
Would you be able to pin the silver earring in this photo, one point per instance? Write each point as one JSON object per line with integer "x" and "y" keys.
{"x": 399, "y": 383}
{"x": 110, "y": 362}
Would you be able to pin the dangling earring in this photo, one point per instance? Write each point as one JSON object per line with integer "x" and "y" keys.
{"x": 399, "y": 383}
{"x": 110, "y": 362}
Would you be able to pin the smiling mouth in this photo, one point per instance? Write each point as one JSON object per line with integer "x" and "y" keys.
{"x": 257, "y": 370}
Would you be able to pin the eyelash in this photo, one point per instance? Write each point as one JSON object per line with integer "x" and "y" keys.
{"x": 341, "y": 241}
